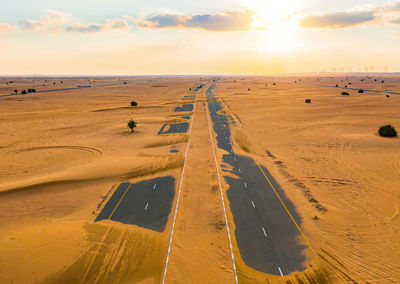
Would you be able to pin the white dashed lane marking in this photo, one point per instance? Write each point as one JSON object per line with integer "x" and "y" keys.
{"x": 280, "y": 271}
{"x": 265, "y": 233}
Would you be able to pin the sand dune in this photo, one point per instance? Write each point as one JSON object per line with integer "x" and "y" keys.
{"x": 63, "y": 154}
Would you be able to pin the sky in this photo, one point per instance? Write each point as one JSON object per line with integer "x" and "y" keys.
{"x": 171, "y": 37}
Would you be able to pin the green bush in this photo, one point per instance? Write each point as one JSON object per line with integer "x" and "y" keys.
{"x": 16, "y": 91}
{"x": 360, "y": 91}
{"x": 133, "y": 103}
{"x": 23, "y": 92}
{"x": 132, "y": 125}
{"x": 308, "y": 101}
{"x": 345, "y": 94}
{"x": 387, "y": 131}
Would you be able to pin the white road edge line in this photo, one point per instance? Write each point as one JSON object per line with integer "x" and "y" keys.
{"x": 280, "y": 271}
{"x": 154, "y": 187}
{"x": 177, "y": 201}
{"x": 254, "y": 206}
{"x": 240, "y": 171}
{"x": 245, "y": 184}
{"x": 223, "y": 202}
{"x": 145, "y": 208}
{"x": 265, "y": 233}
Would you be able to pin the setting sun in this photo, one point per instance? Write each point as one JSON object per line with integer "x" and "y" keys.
{"x": 272, "y": 12}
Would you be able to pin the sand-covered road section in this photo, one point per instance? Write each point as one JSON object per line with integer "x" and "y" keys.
{"x": 342, "y": 177}
{"x": 200, "y": 250}
{"x": 62, "y": 155}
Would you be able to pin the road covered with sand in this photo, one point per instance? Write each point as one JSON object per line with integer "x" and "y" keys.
{"x": 81, "y": 197}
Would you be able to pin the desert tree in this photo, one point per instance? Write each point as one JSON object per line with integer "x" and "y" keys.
{"x": 387, "y": 131}
{"x": 133, "y": 103}
{"x": 132, "y": 125}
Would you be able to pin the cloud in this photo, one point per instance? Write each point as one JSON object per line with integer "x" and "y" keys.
{"x": 51, "y": 19}
{"x": 337, "y": 20}
{"x": 392, "y": 6}
{"x": 368, "y": 13}
{"x": 115, "y": 24}
{"x": 229, "y": 21}
{"x": 395, "y": 21}
{"x": 6, "y": 27}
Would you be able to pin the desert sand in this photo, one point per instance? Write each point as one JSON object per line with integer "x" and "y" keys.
{"x": 64, "y": 153}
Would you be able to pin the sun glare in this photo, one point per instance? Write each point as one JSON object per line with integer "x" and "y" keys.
{"x": 278, "y": 19}
{"x": 274, "y": 11}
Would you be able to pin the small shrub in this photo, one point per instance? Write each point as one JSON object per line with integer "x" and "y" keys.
{"x": 345, "y": 94}
{"x": 23, "y": 92}
{"x": 190, "y": 89}
{"x": 315, "y": 217}
{"x": 133, "y": 103}
{"x": 274, "y": 84}
{"x": 387, "y": 96}
{"x": 383, "y": 81}
{"x": 345, "y": 86}
{"x": 249, "y": 89}
{"x": 387, "y": 131}
{"x": 16, "y": 91}
{"x": 337, "y": 86}
{"x": 132, "y": 125}
{"x": 124, "y": 83}
{"x": 308, "y": 101}
{"x": 360, "y": 91}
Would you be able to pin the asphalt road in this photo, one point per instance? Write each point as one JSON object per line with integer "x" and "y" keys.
{"x": 58, "y": 90}
{"x": 185, "y": 107}
{"x": 174, "y": 128}
{"x": 189, "y": 98}
{"x": 267, "y": 237}
{"x": 146, "y": 204}
{"x": 346, "y": 88}
{"x": 198, "y": 88}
